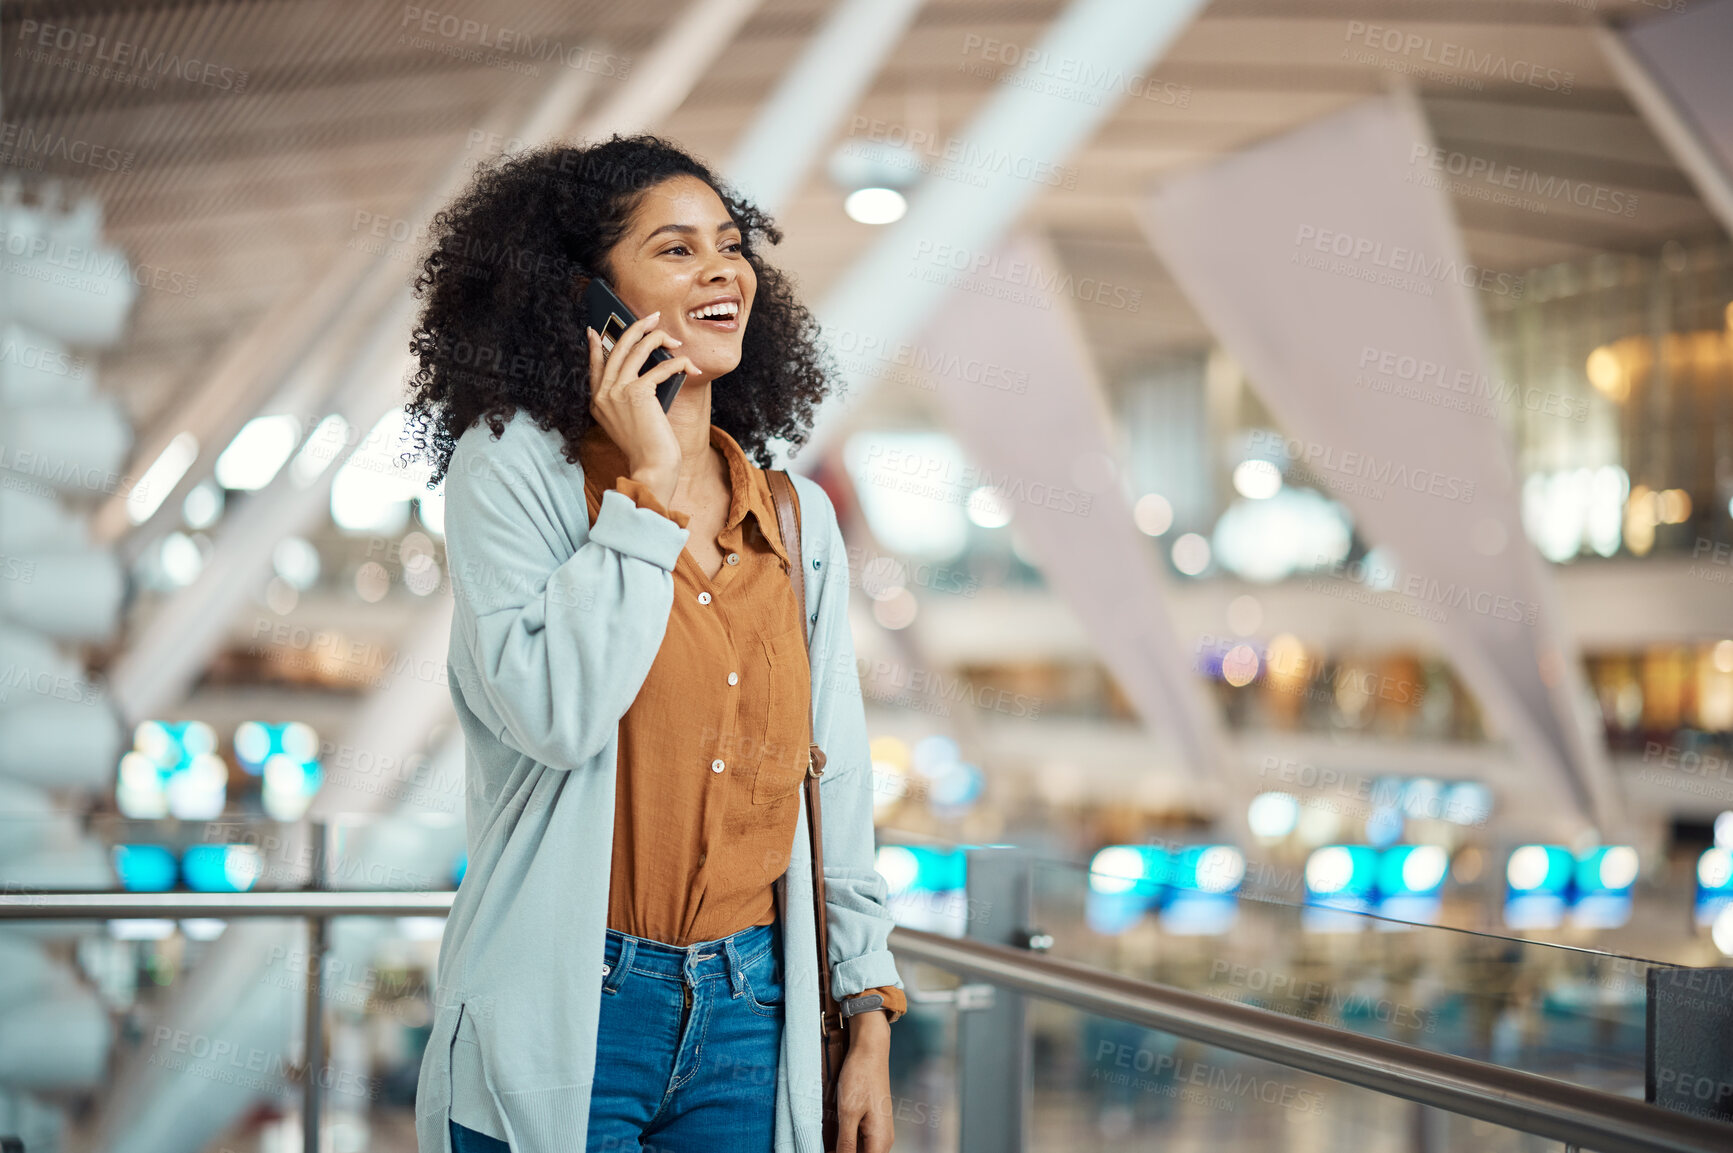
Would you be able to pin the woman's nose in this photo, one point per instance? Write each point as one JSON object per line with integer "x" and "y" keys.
{"x": 718, "y": 269}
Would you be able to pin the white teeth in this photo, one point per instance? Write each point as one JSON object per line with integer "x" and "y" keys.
{"x": 725, "y": 308}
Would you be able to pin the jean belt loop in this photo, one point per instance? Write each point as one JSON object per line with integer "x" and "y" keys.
{"x": 622, "y": 964}
{"x": 736, "y": 980}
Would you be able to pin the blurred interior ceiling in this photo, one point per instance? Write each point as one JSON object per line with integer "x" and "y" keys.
{"x": 341, "y": 117}
{"x": 327, "y": 121}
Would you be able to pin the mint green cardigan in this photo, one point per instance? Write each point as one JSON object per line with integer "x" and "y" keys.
{"x": 554, "y": 628}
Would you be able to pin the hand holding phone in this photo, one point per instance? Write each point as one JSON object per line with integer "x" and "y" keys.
{"x": 610, "y": 317}
{"x": 620, "y": 390}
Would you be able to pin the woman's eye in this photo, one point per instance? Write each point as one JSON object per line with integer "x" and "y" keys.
{"x": 676, "y": 248}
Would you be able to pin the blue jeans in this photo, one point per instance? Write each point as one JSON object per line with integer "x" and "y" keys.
{"x": 687, "y": 1048}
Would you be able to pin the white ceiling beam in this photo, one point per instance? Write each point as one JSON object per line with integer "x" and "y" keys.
{"x": 883, "y": 301}
{"x": 1327, "y": 273}
{"x": 827, "y": 82}
{"x": 1674, "y": 69}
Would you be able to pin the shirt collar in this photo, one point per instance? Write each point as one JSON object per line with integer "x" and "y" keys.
{"x": 749, "y": 487}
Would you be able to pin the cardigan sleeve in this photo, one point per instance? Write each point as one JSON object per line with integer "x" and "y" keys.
{"x": 858, "y": 922}
{"x": 560, "y": 637}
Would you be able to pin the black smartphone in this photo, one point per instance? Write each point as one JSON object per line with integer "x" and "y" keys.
{"x": 610, "y": 317}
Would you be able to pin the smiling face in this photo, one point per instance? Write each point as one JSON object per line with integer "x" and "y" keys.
{"x": 681, "y": 254}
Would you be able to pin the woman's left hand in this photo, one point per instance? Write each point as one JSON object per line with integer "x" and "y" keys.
{"x": 864, "y": 1089}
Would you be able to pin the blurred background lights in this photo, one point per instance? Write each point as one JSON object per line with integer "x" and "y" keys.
{"x": 141, "y": 929}
{"x": 140, "y": 790}
{"x": 329, "y": 438}
{"x": 145, "y": 868}
{"x": 258, "y": 451}
{"x": 1240, "y": 666}
{"x": 372, "y": 581}
{"x": 1565, "y": 512}
{"x": 1724, "y": 830}
{"x": 1378, "y": 569}
{"x": 372, "y": 490}
{"x": 925, "y": 887}
{"x": 1257, "y": 479}
{"x": 909, "y": 486}
{"x": 296, "y": 561}
{"x": 172, "y": 770}
{"x": 203, "y": 505}
{"x": 198, "y": 790}
{"x": 179, "y": 560}
{"x": 898, "y": 866}
{"x": 1329, "y": 870}
{"x": 1607, "y": 374}
{"x": 957, "y": 788}
{"x": 288, "y": 786}
{"x": 252, "y": 745}
{"x": 1293, "y": 530}
{"x": 1715, "y": 868}
{"x": 1722, "y": 656}
{"x": 1272, "y": 815}
{"x": 988, "y": 508}
{"x": 1116, "y": 869}
{"x": 1533, "y": 867}
{"x": 1722, "y": 934}
{"x": 285, "y": 756}
{"x": 1152, "y": 514}
{"x": 895, "y": 609}
{"x": 1219, "y": 869}
{"x": 1616, "y": 867}
{"x": 1714, "y": 896}
{"x": 875, "y": 205}
{"x": 1191, "y": 554}
{"x": 1421, "y": 869}
{"x": 934, "y": 755}
{"x": 221, "y": 868}
{"x": 161, "y": 477}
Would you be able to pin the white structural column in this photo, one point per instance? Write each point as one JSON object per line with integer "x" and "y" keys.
{"x": 1046, "y": 449}
{"x": 1024, "y": 130}
{"x": 1674, "y": 69}
{"x": 1342, "y": 288}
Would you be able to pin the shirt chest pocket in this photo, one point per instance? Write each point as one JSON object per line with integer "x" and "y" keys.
{"x": 788, "y": 708}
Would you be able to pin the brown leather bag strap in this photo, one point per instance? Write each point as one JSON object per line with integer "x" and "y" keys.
{"x": 787, "y": 503}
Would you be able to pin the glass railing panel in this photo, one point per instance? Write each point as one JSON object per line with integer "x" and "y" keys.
{"x": 1571, "y": 1013}
{"x": 211, "y": 1027}
{"x": 1106, "y": 1086}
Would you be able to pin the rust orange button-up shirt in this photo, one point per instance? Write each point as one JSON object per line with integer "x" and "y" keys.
{"x": 712, "y": 751}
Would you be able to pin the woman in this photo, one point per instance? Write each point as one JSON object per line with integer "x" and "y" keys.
{"x": 630, "y": 959}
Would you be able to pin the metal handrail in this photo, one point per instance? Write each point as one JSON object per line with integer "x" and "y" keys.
{"x": 1510, "y": 1097}
{"x": 39, "y": 906}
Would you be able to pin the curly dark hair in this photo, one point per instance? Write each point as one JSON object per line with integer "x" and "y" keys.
{"x": 502, "y": 323}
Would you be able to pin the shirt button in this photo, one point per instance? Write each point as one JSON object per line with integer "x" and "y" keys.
{"x": 704, "y": 598}
{"x": 733, "y": 558}
{"x": 733, "y": 678}
{"x": 702, "y": 857}
{"x": 716, "y": 765}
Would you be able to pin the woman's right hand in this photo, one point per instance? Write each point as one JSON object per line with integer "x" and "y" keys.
{"x": 625, "y": 404}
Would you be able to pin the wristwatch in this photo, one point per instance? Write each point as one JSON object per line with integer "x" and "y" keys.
{"x": 862, "y": 1003}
